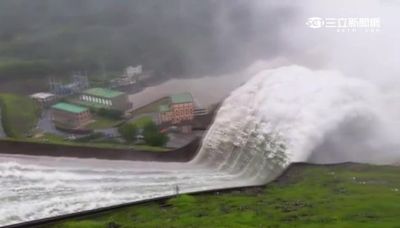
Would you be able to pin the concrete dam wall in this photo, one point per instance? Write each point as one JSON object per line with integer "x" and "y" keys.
{"x": 183, "y": 154}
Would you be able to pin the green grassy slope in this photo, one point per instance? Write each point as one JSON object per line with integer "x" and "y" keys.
{"x": 350, "y": 195}
{"x": 19, "y": 114}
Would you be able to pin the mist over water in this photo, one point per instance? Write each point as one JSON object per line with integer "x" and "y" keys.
{"x": 319, "y": 115}
{"x": 294, "y": 114}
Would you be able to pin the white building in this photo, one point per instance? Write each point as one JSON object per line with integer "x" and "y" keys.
{"x": 44, "y": 100}
{"x": 133, "y": 71}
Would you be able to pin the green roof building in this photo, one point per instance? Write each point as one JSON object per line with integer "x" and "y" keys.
{"x": 181, "y": 98}
{"x": 69, "y": 108}
{"x": 164, "y": 108}
{"x": 105, "y": 98}
{"x": 104, "y": 93}
{"x": 70, "y": 116}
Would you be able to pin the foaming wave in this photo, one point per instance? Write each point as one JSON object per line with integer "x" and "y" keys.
{"x": 287, "y": 114}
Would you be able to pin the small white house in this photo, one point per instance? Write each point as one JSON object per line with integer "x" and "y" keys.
{"x": 133, "y": 71}
{"x": 44, "y": 100}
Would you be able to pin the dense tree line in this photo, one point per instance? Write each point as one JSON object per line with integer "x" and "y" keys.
{"x": 150, "y": 132}
{"x": 174, "y": 37}
{"x": 19, "y": 115}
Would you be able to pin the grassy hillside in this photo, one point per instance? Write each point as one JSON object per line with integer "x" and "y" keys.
{"x": 19, "y": 114}
{"x": 350, "y": 195}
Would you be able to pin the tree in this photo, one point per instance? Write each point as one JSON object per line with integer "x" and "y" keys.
{"x": 110, "y": 113}
{"x": 128, "y": 132}
{"x": 152, "y": 136}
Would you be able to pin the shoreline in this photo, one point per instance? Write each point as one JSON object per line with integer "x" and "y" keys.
{"x": 183, "y": 154}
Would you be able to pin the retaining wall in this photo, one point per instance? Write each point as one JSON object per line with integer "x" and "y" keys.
{"x": 183, "y": 154}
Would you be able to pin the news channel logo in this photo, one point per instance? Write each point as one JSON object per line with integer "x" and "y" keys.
{"x": 345, "y": 24}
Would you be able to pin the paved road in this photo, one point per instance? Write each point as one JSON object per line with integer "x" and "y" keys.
{"x": 177, "y": 140}
{"x": 45, "y": 124}
{"x": 112, "y": 132}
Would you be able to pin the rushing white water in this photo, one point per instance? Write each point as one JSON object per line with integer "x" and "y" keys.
{"x": 278, "y": 117}
{"x": 293, "y": 105}
{"x": 55, "y": 186}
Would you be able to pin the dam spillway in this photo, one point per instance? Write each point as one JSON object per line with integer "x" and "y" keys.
{"x": 279, "y": 116}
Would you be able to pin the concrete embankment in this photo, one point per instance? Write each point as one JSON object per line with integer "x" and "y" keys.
{"x": 183, "y": 154}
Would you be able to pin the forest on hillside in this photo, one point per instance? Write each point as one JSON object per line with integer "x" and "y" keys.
{"x": 173, "y": 38}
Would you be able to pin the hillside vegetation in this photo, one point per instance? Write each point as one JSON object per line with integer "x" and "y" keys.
{"x": 350, "y": 195}
{"x": 172, "y": 38}
{"x": 40, "y": 38}
{"x": 19, "y": 115}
